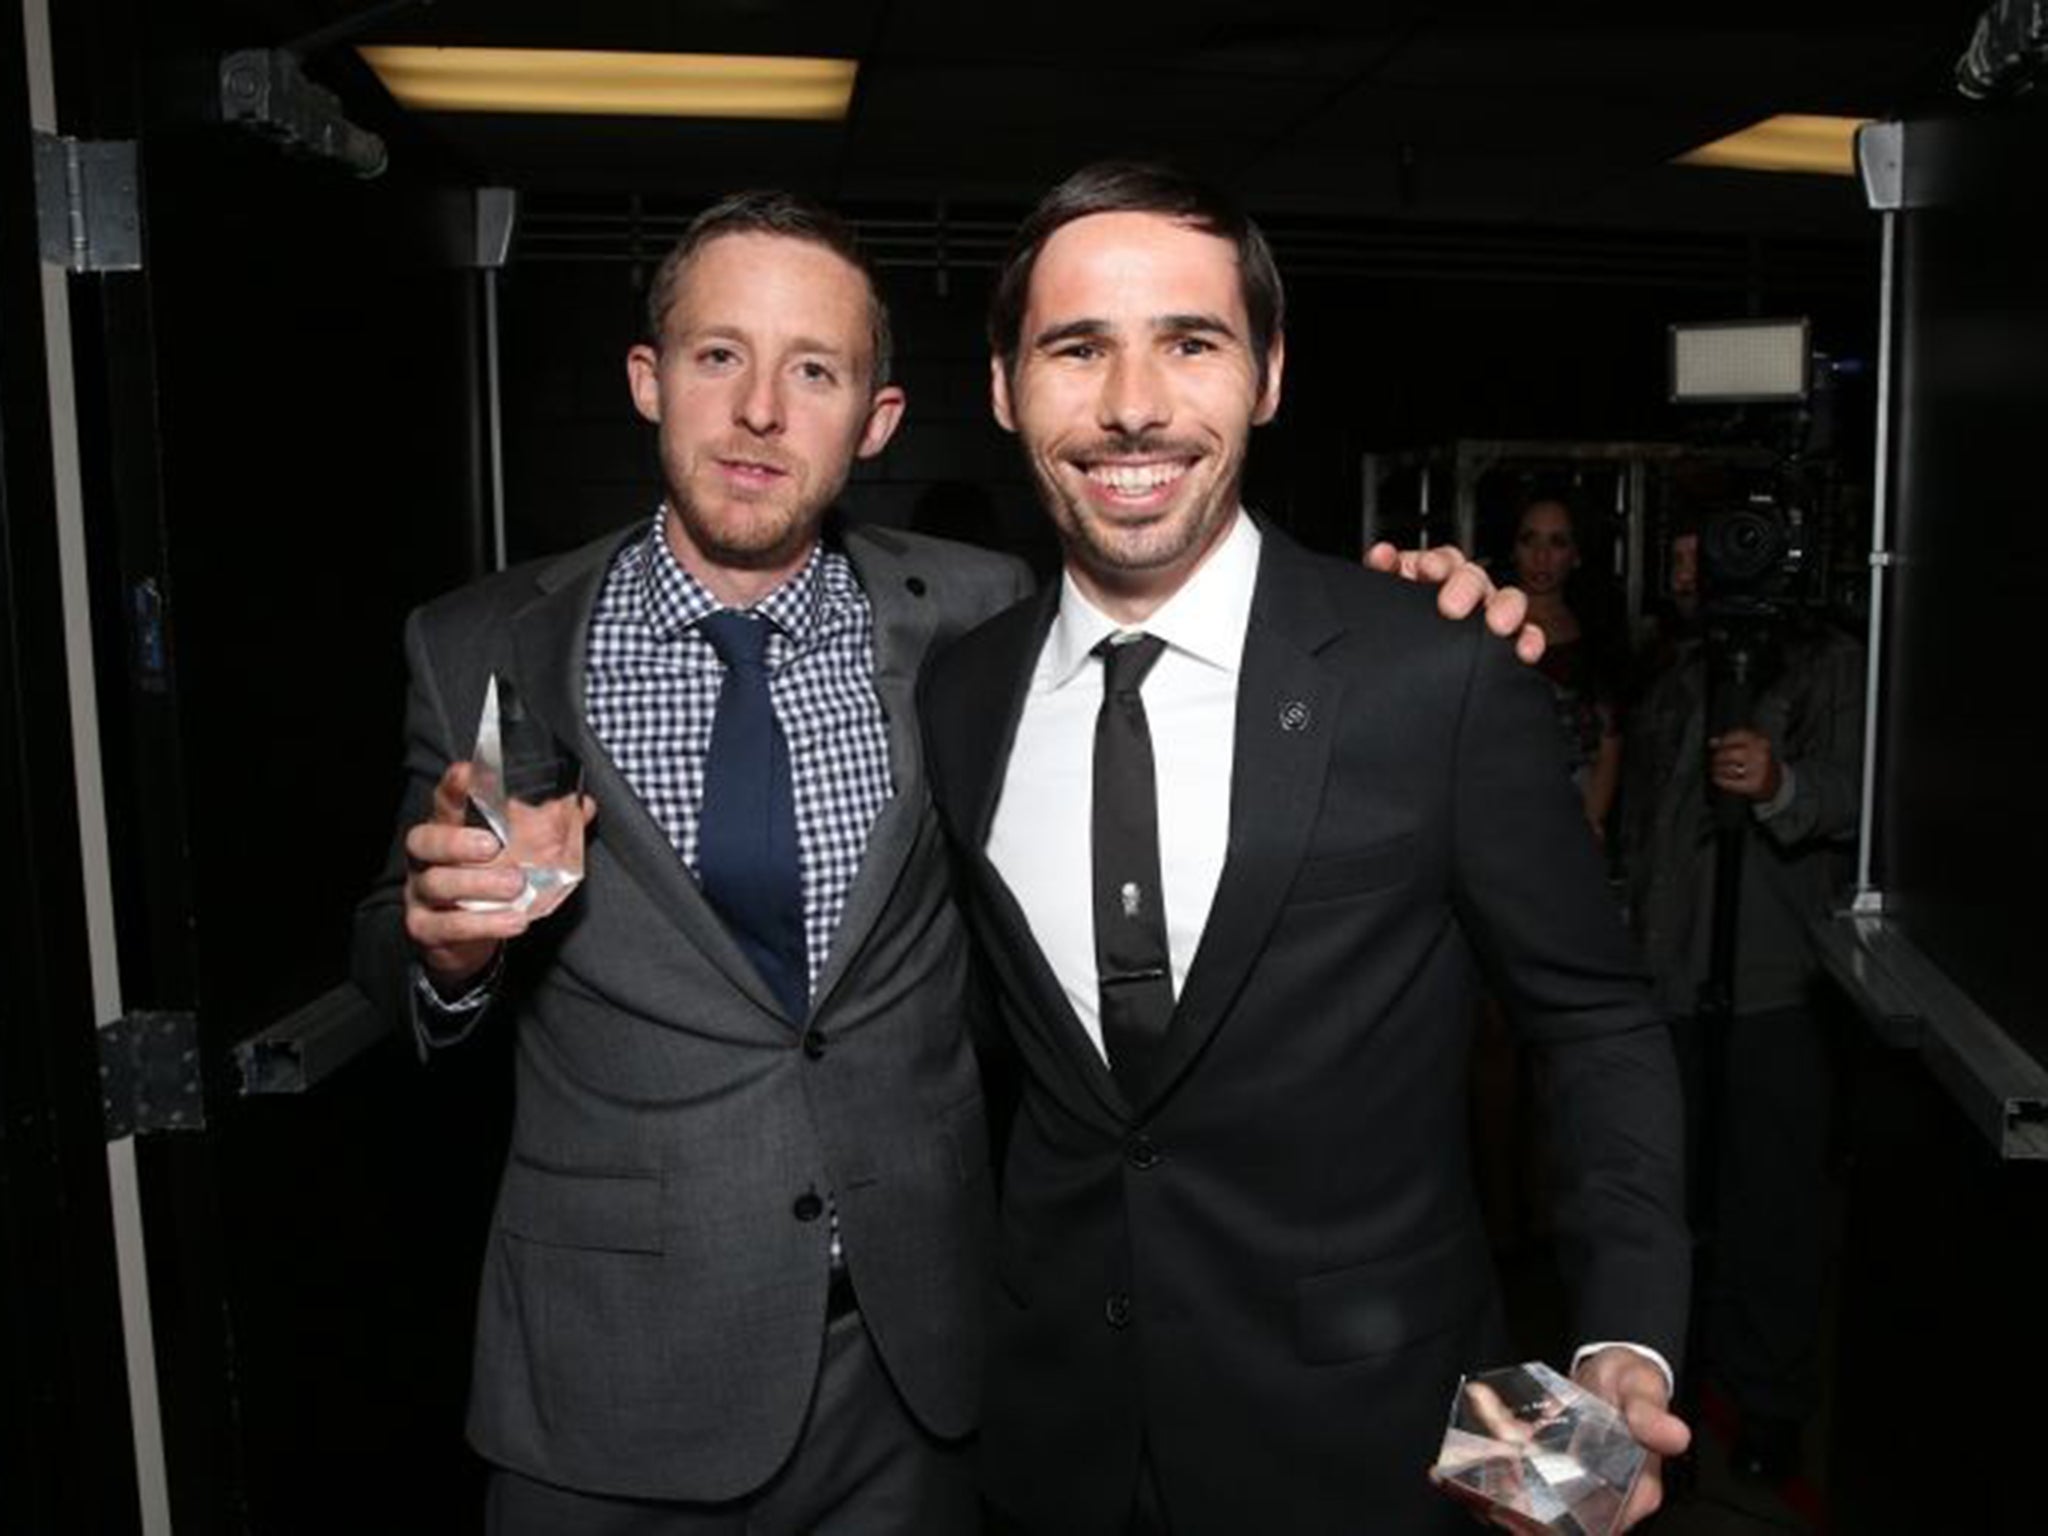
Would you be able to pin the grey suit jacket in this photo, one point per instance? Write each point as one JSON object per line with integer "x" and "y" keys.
{"x": 652, "y": 1303}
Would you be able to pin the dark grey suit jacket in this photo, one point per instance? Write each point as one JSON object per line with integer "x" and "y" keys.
{"x": 1270, "y": 1273}
{"x": 652, "y": 1302}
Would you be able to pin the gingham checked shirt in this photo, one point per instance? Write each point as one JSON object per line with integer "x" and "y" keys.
{"x": 651, "y": 689}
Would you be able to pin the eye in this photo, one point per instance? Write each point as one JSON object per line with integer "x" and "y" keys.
{"x": 1078, "y": 351}
{"x": 716, "y": 356}
{"x": 1191, "y": 346}
{"x": 811, "y": 371}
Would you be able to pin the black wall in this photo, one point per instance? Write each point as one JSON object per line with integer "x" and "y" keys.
{"x": 1961, "y": 835}
{"x": 1387, "y": 355}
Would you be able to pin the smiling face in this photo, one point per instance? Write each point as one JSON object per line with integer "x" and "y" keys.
{"x": 762, "y": 390}
{"x": 1545, "y": 549}
{"x": 1133, "y": 392}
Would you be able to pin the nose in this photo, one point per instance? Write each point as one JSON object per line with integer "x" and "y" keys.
{"x": 758, "y": 407}
{"x": 1134, "y": 396}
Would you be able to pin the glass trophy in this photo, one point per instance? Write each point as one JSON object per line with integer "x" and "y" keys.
{"x": 525, "y": 786}
{"x": 1530, "y": 1450}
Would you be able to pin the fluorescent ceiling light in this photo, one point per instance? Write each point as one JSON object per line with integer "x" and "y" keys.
{"x": 1791, "y": 141}
{"x": 614, "y": 84}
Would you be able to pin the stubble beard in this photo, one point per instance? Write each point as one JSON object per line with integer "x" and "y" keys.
{"x": 746, "y": 534}
{"x": 1123, "y": 554}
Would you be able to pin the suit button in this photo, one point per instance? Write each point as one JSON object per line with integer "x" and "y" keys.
{"x": 809, "y": 1206}
{"x": 814, "y": 1043}
{"x": 1117, "y": 1310}
{"x": 1140, "y": 1152}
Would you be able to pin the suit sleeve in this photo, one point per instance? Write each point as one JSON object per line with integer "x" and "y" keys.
{"x": 1824, "y": 754}
{"x": 1532, "y": 896}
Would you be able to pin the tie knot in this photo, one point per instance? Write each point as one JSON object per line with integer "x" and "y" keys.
{"x": 1126, "y": 658}
{"x": 740, "y": 639}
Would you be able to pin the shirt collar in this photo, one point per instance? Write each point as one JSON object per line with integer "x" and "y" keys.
{"x": 672, "y": 600}
{"x": 1205, "y": 620}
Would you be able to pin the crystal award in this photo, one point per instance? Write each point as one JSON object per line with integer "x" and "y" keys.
{"x": 1532, "y": 1451}
{"x": 525, "y": 786}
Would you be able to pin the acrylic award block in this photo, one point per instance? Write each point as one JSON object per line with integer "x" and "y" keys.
{"x": 526, "y": 787}
{"x": 1530, "y": 1450}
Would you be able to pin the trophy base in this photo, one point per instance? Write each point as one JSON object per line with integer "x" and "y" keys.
{"x": 545, "y": 889}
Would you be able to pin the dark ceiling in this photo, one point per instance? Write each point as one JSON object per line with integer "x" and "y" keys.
{"x": 1438, "y": 113}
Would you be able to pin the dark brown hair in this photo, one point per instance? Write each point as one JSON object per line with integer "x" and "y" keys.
{"x": 783, "y": 214}
{"x": 1133, "y": 186}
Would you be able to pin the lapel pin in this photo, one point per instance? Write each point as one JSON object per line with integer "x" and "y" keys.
{"x": 1294, "y": 715}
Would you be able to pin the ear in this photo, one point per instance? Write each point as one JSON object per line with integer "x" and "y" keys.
{"x": 1269, "y": 397}
{"x": 643, "y": 377}
{"x": 885, "y": 413}
{"x": 999, "y": 394}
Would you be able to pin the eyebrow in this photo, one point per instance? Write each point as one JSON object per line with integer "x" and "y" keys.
{"x": 1162, "y": 325}
{"x": 1203, "y": 324}
{"x": 810, "y": 344}
{"x": 1069, "y": 330}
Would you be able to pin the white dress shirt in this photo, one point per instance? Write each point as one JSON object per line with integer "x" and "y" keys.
{"x": 1040, "y": 840}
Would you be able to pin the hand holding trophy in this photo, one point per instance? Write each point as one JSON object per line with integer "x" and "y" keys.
{"x": 525, "y": 786}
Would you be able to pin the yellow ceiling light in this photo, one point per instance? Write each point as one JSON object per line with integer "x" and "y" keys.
{"x": 1791, "y": 141}
{"x": 614, "y": 84}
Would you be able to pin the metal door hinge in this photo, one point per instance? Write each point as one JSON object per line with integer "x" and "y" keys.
{"x": 88, "y": 204}
{"x": 150, "y": 1078}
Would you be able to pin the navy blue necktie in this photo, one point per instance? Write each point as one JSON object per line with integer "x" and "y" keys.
{"x": 747, "y": 859}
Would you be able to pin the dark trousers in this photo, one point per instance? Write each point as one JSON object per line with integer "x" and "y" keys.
{"x": 862, "y": 1467}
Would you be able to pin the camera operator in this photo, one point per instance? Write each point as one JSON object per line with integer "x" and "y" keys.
{"x": 1750, "y": 737}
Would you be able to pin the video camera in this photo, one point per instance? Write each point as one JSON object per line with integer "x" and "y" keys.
{"x": 1756, "y": 558}
{"x": 1770, "y": 532}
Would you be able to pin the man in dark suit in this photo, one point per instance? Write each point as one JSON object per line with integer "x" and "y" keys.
{"x": 1241, "y": 826}
{"x": 734, "y": 1275}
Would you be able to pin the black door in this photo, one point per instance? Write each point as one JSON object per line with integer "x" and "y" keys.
{"x": 281, "y": 428}
{"x": 66, "y": 1461}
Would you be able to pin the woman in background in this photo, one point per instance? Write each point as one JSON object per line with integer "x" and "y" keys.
{"x": 1546, "y": 554}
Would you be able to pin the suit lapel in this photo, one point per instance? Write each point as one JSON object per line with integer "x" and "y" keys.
{"x": 905, "y": 615}
{"x": 974, "y": 753}
{"x": 1288, "y": 705}
{"x": 550, "y": 638}
{"x": 1026, "y": 973}
{"x": 1001, "y": 674}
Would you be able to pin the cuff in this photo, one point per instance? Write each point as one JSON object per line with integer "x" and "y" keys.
{"x": 446, "y": 1021}
{"x": 1788, "y": 785}
{"x": 1664, "y": 1366}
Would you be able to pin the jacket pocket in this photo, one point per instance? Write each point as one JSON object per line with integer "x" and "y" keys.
{"x": 1388, "y": 1303}
{"x": 1331, "y": 878}
{"x": 571, "y": 1208}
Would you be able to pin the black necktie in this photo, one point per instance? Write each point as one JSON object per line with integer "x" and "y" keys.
{"x": 1132, "y": 963}
{"x": 747, "y": 859}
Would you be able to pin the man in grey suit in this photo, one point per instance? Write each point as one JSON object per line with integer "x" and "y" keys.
{"x": 732, "y": 1278}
